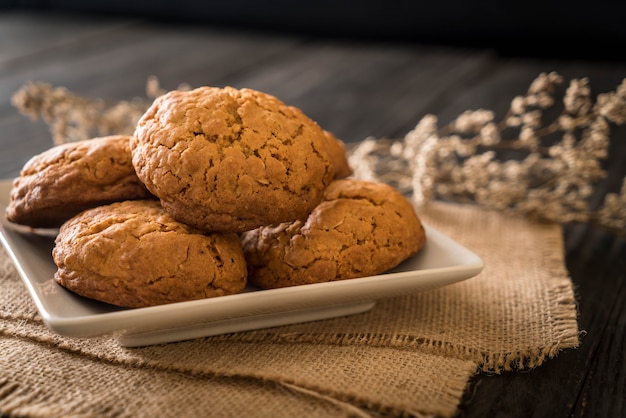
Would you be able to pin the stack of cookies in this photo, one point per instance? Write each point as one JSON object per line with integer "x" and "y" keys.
{"x": 216, "y": 188}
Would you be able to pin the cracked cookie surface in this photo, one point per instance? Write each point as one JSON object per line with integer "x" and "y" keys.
{"x": 60, "y": 182}
{"x": 226, "y": 159}
{"x": 134, "y": 254}
{"x": 337, "y": 151}
{"x": 359, "y": 229}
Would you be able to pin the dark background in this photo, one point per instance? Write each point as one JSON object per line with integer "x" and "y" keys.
{"x": 558, "y": 29}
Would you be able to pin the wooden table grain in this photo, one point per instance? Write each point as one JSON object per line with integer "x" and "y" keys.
{"x": 356, "y": 89}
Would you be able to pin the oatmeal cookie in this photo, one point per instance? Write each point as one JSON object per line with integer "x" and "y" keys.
{"x": 226, "y": 159}
{"x": 359, "y": 229}
{"x": 64, "y": 180}
{"x": 134, "y": 254}
{"x": 337, "y": 150}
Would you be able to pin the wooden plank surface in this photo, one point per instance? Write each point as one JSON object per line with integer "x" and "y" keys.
{"x": 355, "y": 89}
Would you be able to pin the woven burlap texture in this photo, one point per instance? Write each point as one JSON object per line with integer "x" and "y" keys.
{"x": 409, "y": 356}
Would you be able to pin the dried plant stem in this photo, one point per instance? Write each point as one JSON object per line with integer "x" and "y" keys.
{"x": 551, "y": 177}
{"x": 551, "y": 181}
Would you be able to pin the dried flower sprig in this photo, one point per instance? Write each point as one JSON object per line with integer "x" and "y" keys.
{"x": 540, "y": 167}
{"x": 545, "y": 171}
{"x": 71, "y": 117}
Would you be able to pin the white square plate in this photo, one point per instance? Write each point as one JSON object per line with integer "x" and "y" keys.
{"x": 441, "y": 262}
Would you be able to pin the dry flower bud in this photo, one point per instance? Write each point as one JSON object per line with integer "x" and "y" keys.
{"x": 612, "y": 106}
{"x": 545, "y": 83}
{"x": 529, "y": 138}
{"x": 472, "y": 121}
{"x": 513, "y": 121}
{"x": 577, "y": 100}
{"x": 518, "y": 105}
{"x": 532, "y": 119}
{"x": 567, "y": 123}
{"x": 489, "y": 134}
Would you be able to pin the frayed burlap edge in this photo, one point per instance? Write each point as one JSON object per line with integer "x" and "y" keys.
{"x": 108, "y": 352}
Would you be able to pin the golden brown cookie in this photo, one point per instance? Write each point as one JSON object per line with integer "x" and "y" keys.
{"x": 231, "y": 160}
{"x": 337, "y": 150}
{"x": 134, "y": 254}
{"x": 62, "y": 181}
{"x": 359, "y": 229}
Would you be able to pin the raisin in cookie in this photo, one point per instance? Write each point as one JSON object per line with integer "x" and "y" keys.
{"x": 359, "y": 229}
{"x": 134, "y": 254}
{"x": 62, "y": 181}
{"x": 224, "y": 159}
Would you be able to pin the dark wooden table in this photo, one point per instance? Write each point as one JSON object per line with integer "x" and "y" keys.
{"x": 354, "y": 89}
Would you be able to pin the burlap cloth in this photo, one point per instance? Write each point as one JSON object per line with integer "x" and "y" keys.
{"x": 409, "y": 356}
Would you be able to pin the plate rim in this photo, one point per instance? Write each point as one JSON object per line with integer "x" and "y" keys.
{"x": 132, "y": 321}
